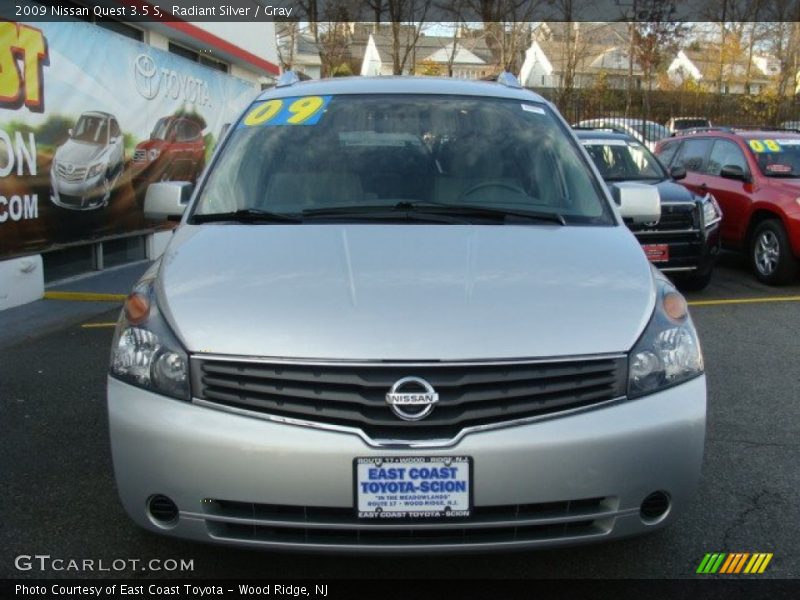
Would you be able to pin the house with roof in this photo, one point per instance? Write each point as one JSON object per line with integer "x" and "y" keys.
{"x": 298, "y": 51}
{"x": 736, "y": 77}
{"x": 458, "y": 56}
{"x": 587, "y": 50}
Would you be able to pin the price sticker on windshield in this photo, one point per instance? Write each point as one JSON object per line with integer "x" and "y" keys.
{"x": 762, "y": 146}
{"x": 303, "y": 110}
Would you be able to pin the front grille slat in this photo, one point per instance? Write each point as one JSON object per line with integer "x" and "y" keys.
{"x": 378, "y": 415}
{"x": 353, "y": 395}
{"x": 377, "y": 396}
{"x": 446, "y": 374}
{"x": 339, "y": 525}
{"x": 673, "y": 218}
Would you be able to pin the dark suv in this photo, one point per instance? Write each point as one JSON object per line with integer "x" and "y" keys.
{"x": 685, "y": 242}
{"x": 755, "y": 176}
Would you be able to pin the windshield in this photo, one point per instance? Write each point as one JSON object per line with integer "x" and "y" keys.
{"x": 777, "y": 158}
{"x": 160, "y": 129}
{"x": 91, "y": 129}
{"x": 623, "y": 160}
{"x": 297, "y": 155}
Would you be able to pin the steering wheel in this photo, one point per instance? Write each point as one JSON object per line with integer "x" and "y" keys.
{"x": 490, "y": 184}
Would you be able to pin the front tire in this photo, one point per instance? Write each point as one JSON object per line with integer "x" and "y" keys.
{"x": 771, "y": 255}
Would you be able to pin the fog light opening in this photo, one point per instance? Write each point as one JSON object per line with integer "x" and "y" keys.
{"x": 655, "y": 507}
{"x": 162, "y": 511}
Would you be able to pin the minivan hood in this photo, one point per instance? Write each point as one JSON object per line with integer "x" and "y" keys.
{"x": 406, "y": 292}
{"x": 79, "y": 153}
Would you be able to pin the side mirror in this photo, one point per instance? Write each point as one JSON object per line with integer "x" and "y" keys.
{"x": 69, "y": 132}
{"x": 638, "y": 202}
{"x": 677, "y": 172}
{"x": 167, "y": 200}
{"x": 733, "y": 172}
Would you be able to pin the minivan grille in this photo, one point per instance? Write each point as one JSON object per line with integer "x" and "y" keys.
{"x": 310, "y": 525}
{"x": 354, "y": 395}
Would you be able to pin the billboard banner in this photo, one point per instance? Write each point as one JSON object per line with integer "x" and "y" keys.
{"x": 88, "y": 118}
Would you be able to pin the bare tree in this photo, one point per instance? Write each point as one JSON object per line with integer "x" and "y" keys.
{"x": 287, "y": 34}
{"x": 574, "y": 48}
{"x": 506, "y": 25}
{"x": 782, "y": 40}
{"x": 730, "y": 15}
{"x": 656, "y": 37}
{"x": 407, "y": 19}
{"x": 378, "y": 7}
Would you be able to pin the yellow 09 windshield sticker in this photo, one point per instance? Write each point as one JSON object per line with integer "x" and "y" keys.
{"x": 761, "y": 146}
{"x": 303, "y": 110}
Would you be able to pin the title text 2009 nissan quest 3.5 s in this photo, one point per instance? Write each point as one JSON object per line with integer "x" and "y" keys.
{"x": 404, "y": 314}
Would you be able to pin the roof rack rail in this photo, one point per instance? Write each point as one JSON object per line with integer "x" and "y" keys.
{"x": 590, "y": 128}
{"x": 287, "y": 78}
{"x": 508, "y": 80}
{"x": 693, "y": 130}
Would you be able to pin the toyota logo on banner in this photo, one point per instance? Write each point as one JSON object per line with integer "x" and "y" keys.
{"x": 145, "y": 76}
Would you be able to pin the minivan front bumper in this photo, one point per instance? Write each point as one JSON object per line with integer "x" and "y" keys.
{"x": 242, "y": 480}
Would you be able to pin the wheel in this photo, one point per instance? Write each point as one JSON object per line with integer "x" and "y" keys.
{"x": 771, "y": 254}
{"x": 694, "y": 282}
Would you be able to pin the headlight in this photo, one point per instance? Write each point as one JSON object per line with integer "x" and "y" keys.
{"x": 144, "y": 351}
{"x": 668, "y": 352}
{"x": 712, "y": 213}
{"x": 95, "y": 170}
{"x": 153, "y": 153}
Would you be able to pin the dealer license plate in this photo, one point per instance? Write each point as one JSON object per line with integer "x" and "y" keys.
{"x": 413, "y": 487}
{"x": 656, "y": 252}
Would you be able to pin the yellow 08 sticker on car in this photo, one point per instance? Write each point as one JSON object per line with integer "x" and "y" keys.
{"x": 764, "y": 146}
{"x": 303, "y": 110}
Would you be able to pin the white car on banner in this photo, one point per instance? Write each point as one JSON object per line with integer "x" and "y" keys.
{"x": 88, "y": 165}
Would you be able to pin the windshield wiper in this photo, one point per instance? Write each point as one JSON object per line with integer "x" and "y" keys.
{"x": 381, "y": 211}
{"x": 481, "y": 211}
{"x": 247, "y": 215}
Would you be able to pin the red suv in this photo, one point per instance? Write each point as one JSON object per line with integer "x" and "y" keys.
{"x": 175, "y": 152}
{"x": 755, "y": 177}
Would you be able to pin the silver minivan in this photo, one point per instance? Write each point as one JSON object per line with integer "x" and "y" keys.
{"x": 404, "y": 314}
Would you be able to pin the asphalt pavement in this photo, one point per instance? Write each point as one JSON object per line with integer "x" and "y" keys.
{"x": 60, "y": 500}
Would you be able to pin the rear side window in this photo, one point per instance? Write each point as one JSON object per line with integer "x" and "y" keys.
{"x": 723, "y": 154}
{"x": 667, "y": 152}
{"x": 692, "y": 155}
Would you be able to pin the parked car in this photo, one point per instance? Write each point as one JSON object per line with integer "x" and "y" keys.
{"x": 755, "y": 177}
{"x": 676, "y": 124}
{"x": 86, "y": 168}
{"x": 684, "y": 242}
{"x": 175, "y": 151}
{"x": 647, "y": 132}
{"x": 357, "y": 343}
